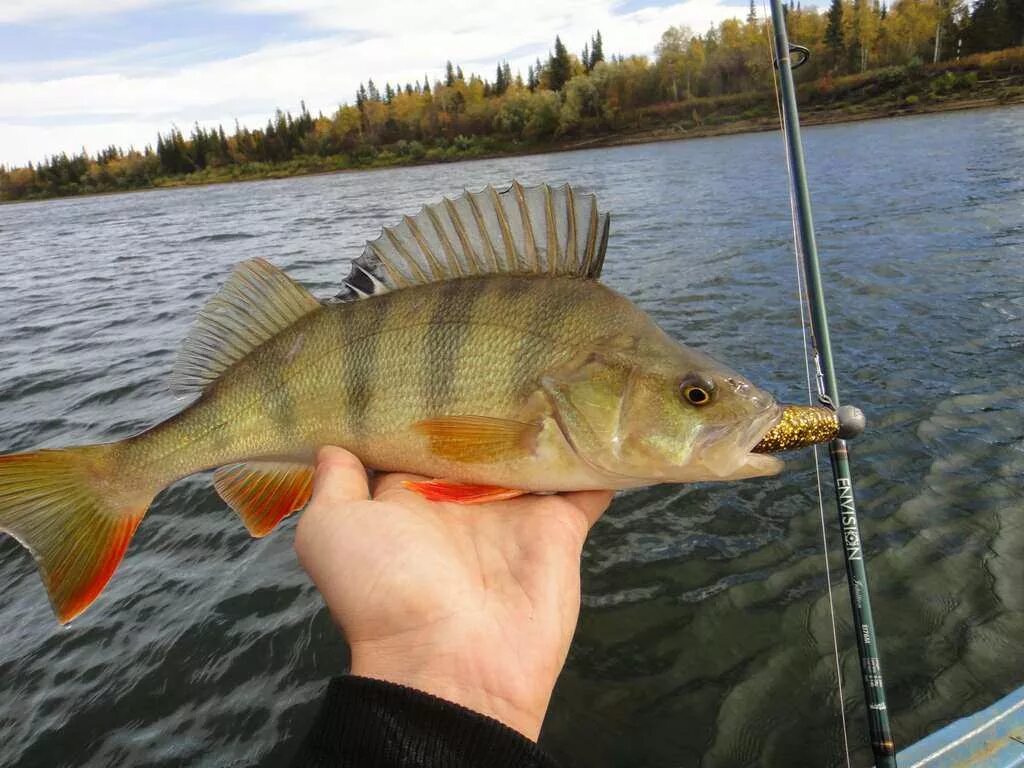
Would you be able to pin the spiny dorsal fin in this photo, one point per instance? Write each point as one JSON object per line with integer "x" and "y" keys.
{"x": 520, "y": 230}
{"x": 257, "y": 302}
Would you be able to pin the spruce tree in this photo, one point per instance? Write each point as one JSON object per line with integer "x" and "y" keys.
{"x": 834, "y": 30}
{"x": 596, "y": 50}
{"x": 559, "y": 66}
{"x": 500, "y": 80}
{"x": 1015, "y": 21}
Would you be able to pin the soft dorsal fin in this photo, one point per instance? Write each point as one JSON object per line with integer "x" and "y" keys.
{"x": 520, "y": 230}
{"x": 257, "y": 302}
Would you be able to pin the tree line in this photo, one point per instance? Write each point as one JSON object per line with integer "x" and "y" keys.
{"x": 564, "y": 95}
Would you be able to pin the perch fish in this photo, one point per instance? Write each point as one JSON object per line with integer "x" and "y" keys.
{"x": 471, "y": 343}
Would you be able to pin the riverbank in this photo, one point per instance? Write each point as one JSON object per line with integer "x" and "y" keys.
{"x": 984, "y": 80}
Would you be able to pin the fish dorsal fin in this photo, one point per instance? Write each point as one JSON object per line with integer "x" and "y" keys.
{"x": 257, "y": 302}
{"x": 540, "y": 230}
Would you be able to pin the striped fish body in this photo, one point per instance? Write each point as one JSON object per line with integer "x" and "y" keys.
{"x": 471, "y": 343}
{"x": 364, "y": 374}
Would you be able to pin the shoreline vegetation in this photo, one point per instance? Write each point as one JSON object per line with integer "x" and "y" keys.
{"x": 867, "y": 61}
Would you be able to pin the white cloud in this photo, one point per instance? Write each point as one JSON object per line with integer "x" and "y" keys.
{"x": 399, "y": 41}
{"x": 23, "y": 11}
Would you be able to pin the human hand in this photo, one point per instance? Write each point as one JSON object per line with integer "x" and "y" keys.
{"x": 474, "y": 604}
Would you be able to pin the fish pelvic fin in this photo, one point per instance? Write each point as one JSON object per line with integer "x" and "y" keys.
{"x": 460, "y": 493}
{"x": 256, "y": 303}
{"x": 263, "y": 493}
{"x": 76, "y": 515}
{"x": 541, "y": 230}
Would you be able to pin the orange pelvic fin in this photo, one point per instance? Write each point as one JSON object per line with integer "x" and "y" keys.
{"x": 461, "y": 493}
{"x": 263, "y": 493}
{"x": 75, "y": 514}
{"x": 478, "y": 439}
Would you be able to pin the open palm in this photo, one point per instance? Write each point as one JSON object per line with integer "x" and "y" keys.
{"x": 475, "y": 604}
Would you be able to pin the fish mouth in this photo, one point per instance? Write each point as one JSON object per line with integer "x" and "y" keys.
{"x": 727, "y": 451}
{"x": 762, "y": 464}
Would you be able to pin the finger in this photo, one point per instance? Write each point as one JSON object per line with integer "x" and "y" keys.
{"x": 388, "y": 482}
{"x": 591, "y": 503}
{"x": 340, "y": 477}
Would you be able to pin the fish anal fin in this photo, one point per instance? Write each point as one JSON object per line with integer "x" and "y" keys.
{"x": 264, "y": 492}
{"x": 479, "y": 439}
{"x": 257, "y": 302}
{"x": 460, "y": 493}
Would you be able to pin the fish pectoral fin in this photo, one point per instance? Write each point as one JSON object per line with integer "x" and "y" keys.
{"x": 479, "y": 439}
{"x": 460, "y": 493}
{"x": 263, "y": 493}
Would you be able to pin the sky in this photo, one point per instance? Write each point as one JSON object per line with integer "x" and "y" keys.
{"x": 77, "y": 73}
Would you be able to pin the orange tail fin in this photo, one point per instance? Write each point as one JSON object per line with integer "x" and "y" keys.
{"x": 74, "y": 514}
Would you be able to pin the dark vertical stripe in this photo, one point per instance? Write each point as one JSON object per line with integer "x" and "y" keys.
{"x": 365, "y": 319}
{"x": 447, "y": 333}
{"x": 545, "y": 306}
{"x": 271, "y": 372}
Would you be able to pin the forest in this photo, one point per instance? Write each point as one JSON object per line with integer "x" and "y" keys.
{"x": 867, "y": 58}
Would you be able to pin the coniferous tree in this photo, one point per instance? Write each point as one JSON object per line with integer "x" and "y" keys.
{"x": 834, "y": 30}
{"x": 1015, "y": 21}
{"x": 449, "y": 74}
{"x": 596, "y": 50}
{"x": 559, "y": 66}
{"x": 500, "y": 83}
{"x": 586, "y": 57}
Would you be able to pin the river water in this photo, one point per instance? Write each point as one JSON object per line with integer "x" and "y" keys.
{"x": 705, "y": 637}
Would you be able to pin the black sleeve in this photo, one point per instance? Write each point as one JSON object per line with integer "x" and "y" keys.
{"x": 367, "y": 723}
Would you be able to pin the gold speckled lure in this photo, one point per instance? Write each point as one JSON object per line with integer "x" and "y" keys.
{"x": 801, "y": 426}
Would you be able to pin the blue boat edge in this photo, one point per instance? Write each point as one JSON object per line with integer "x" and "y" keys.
{"x": 991, "y": 738}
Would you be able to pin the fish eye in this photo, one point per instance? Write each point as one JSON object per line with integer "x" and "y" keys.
{"x": 698, "y": 390}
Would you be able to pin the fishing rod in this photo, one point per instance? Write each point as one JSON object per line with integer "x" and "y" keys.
{"x": 856, "y": 573}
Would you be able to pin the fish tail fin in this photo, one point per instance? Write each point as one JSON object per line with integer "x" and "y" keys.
{"x": 75, "y": 513}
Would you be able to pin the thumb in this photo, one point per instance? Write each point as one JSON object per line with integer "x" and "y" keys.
{"x": 339, "y": 478}
{"x": 339, "y": 481}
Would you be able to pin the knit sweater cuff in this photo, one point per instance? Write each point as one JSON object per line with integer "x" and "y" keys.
{"x": 375, "y": 724}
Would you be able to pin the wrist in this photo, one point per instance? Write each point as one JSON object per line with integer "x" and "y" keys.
{"x": 452, "y": 677}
